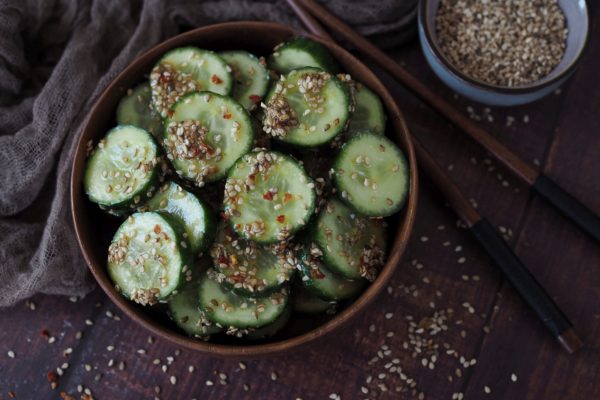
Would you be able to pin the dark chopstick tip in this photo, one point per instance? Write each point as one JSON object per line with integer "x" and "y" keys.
{"x": 570, "y": 341}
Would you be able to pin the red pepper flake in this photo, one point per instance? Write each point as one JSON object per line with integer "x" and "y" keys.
{"x": 216, "y": 80}
{"x": 226, "y": 116}
{"x": 157, "y": 229}
{"x": 53, "y": 379}
{"x": 268, "y": 196}
{"x": 12, "y": 394}
{"x": 170, "y": 113}
{"x": 280, "y": 218}
{"x": 207, "y": 149}
{"x": 251, "y": 177}
{"x": 287, "y": 197}
{"x": 66, "y": 396}
{"x": 254, "y": 98}
{"x": 223, "y": 260}
{"x": 316, "y": 274}
{"x": 224, "y": 216}
{"x": 45, "y": 333}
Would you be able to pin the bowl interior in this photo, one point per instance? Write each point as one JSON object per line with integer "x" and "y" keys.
{"x": 95, "y": 229}
{"x": 576, "y": 15}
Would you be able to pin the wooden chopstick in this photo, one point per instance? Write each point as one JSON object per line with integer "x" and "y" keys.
{"x": 515, "y": 271}
{"x": 543, "y": 185}
{"x": 309, "y": 22}
{"x": 503, "y": 256}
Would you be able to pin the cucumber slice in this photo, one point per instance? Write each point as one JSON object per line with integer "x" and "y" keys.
{"x": 307, "y": 107}
{"x": 251, "y": 77}
{"x": 250, "y": 269}
{"x": 123, "y": 170}
{"x": 271, "y": 329}
{"x": 302, "y": 52}
{"x": 372, "y": 175}
{"x": 306, "y": 302}
{"x": 268, "y": 196}
{"x": 184, "y": 307}
{"x": 136, "y": 109}
{"x": 368, "y": 110}
{"x": 205, "y": 135}
{"x": 322, "y": 282}
{"x": 184, "y": 70}
{"x": 148, "y": 257}
{"x": 353, "y": 246}
{"x": 238, "y": 312}
{"x": 195, "y": 216}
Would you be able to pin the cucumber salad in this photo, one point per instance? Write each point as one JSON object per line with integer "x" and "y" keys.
{"x": 251, "y": 189}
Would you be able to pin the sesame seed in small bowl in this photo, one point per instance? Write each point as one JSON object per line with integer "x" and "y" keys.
{"x": 503, "y": 53}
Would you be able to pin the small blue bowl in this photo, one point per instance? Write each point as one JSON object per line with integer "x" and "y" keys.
{"x": 576, "y": 14}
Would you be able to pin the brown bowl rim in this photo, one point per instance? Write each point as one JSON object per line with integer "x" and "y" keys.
{"x": 255, "y": 350}
{"x": 523, "y": 89}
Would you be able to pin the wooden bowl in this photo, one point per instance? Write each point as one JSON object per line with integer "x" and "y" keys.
{"x": 94, "y": 229}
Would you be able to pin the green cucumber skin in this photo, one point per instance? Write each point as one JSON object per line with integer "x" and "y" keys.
{"x": 228, "y": 83}
{"x": 176, "y": 210}
{"x": 255, "y": 295}
{"x": 311, "y": 207}
{"x": 189, "y": 290}
{"x": 128, "y": 205}
{"x": 334, "y": 132}
{"x": 374, "y": 110}
{"x": 356, "y": 286}
{"x": 273, "y": 328}
{"x": 305, "y": 302}
{"x": 379, "y": 231}
{"x": 322, "y": 57}
{"x": 271, "y": 287}
{"x": 247, "y": 121}
{"x": 135, "y": 109}
{"x": 186, "y": 256}
{"x": 338, "y": 165}
{"x": 243, "y": 321}
{"x": 243, "y": 96}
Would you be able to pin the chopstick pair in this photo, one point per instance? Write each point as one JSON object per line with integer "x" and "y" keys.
{"x": 492, "y": 242}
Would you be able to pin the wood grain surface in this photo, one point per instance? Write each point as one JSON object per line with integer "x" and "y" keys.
{"x": 447, "y": 327}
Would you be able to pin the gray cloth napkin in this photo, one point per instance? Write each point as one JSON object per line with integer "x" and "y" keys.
{"x": 56, "y": 57}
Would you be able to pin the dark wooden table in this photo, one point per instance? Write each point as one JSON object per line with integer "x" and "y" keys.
{"x": 448, "y": 326}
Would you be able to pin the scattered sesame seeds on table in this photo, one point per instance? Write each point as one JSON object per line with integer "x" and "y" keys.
{"x": 447, "y": 327}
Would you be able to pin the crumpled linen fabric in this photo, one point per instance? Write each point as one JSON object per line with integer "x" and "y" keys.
{"x": 56, "y": 57}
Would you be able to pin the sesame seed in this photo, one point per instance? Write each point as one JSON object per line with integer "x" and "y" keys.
{"x": 513, "y": 377}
